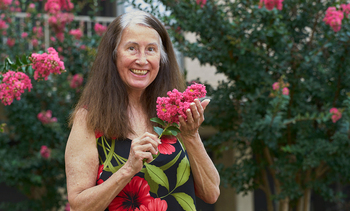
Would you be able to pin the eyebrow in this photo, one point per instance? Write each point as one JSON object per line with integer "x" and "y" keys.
{"x": 131, "y": 42}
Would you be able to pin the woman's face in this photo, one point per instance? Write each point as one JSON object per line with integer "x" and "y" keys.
{"x": 138, "y": 56}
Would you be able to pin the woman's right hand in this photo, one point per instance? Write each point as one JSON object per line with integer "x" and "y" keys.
{"x": 142, "y": 148}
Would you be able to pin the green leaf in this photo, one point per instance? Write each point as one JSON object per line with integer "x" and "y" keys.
{"x": 157, "y": 175}
{"x": 18, "y": 61}
{"x": 158, "y": 130}
{"x": 185, "y": 201}
{"x": 157, "y": 120}
{"x": 152, "y": 184}
{"x": 25, "y": 60}
{"x": 183, "y": 172}
{"x": 9, "y": 60}
{"x": 167, "y": 132}
{"x": 173, "y": 128}
{"x": 171, "y": 163}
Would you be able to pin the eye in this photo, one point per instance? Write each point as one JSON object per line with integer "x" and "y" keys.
{"x": 131, "y": 48}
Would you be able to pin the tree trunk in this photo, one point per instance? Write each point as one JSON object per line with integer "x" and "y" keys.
{"x": 300, "y": 204}
{"x": 284, "y": 204}
{"x": 307, "y": 196}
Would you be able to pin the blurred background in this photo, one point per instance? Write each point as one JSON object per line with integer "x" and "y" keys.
{"x": 277, "y": 73}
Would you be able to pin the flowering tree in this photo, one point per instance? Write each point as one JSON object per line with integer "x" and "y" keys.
{"x": 39, "y": 85}
{"x": 285, "y": 104}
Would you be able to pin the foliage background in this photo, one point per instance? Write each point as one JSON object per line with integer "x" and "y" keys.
{"x": 288, "y": 137}
{"x": 41, "y": 180}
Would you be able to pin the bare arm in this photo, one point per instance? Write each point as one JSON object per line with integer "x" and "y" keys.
{"x": 206, "y": 176}
{"x": 81, "y": 159}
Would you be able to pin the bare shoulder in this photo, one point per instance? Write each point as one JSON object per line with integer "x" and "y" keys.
{"x": 81, "y": 156}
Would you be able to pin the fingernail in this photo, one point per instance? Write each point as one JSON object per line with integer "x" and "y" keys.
{"x": 192, "y": 104}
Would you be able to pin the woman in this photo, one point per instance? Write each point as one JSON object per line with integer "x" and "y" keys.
{"x": 112, "y": 137}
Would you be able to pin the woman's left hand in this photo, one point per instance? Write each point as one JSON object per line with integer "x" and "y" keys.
{"x": 195, "y": 117}
{"x": 205, "y": 175}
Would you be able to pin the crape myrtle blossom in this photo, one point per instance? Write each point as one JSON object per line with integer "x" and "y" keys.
{"x": 346, "y": 9}
{"x": 100, "y": 29}
{"x": 76, "y": 81}
{"x": 11, "y": 42}
{"x": 270, "y": 4}
{"x": 38, "y": 31}
{"x": 5, "y": 3}
{"x": 285, "y": 91}
{"x": 334, "y": 18}
{"x": 201, "y": 2}
{"x": 3, "y": 25}
{"x": 169, "y": 108}
{"x": 77, "y": 33}
{"x": 13, "y": 85}
{"x": 45, "y": 117}
{"x": 24, "y": 35}
{"x": 45, "y": 152}
{"x": 46, "y": 63}
{"x": 280, "y": 87}
{"x": 336, "y": 114}
{"x": 55, "y": 6}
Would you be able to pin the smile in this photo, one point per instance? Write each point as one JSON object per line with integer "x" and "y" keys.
{"x": 139, "y": 72}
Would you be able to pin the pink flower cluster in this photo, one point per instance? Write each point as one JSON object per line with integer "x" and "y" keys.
{"x": 76, "y": 81}
{"x": 45, "y": 117}
{"x": 38, "y": 31}
{"x": 201, "y": 2}
{"x": 45, "y": 64}
{"x": 59, "y": 19}
{"x": 11, "y": 42}
{"x": 13, "y": 85}
{"x": 346, "y": 9}
{"x": 284, "y": 86}
{"x": 100, "y": 29}
{"x": 169, "y": 108}
{"x": 55, "y": 6}
{"x": 3, "y": 25}
{"x": 5, "y": 3}
{"x": 77, "y": 33}
{"x": 45, "y": 152}
{"x": 336, "y": 114}
{"x": 270, "y": 4}
{"x": 334, "y": 18}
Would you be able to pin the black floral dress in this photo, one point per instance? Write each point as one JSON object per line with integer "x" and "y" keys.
{"x": 166, "y": 183}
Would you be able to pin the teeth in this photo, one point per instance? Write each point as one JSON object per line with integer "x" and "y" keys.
{"x": 139, "y": 72}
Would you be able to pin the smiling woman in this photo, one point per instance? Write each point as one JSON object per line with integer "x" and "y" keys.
{"x": 138, "y": 57}
{"x": 112, "y": 140}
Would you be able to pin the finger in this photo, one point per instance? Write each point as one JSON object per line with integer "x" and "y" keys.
{"x": 205, "y": 103}
{"x": 153, "y": 137}
{"x": 148, "y": 140}
{"x": 189, "y": 116}
{"x": 148, "y": 156}
{"x": 148, "y": 147}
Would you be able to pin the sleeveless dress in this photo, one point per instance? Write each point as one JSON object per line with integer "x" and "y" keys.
{"x": 165, "y": 184}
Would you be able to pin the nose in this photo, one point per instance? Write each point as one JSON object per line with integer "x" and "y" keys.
{"x": 142, "y": 59}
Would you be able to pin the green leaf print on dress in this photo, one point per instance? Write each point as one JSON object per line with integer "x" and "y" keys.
{"x": 185, "y": 201}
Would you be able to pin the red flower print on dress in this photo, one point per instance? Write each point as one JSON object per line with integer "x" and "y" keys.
{"x": 166, "y": 146}
{"x": 100, "y": 169}
{"x": 98, "y": 134}
{"x": 133, "y": 195}
{"x": 155, "y": 205}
